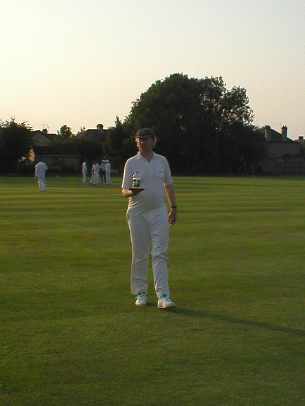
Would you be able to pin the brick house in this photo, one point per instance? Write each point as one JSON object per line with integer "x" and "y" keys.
{"x": 42, "y": 138}
{"x": 57, "y": 157}
{"x": 60, "y": 158}
{"x": 283, "y": 155}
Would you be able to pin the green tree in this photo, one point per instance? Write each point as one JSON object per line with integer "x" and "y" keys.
{"x": 241, "y": 145}
{"x": 90, "y": 149}
{"x": 15, "y": 144}
{"x": 65, "y": 132}
{"x": 120, "y": 143}
{"x": 194, "y": 120}
{"x": 81, "y": 131}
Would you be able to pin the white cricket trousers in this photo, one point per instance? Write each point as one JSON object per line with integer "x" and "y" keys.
{"x": 108, "y": 178}
{"x": 42, "y": 182}
{"x": 149, "y": 230}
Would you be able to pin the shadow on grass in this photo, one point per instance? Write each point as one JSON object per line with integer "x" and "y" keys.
{"x": 219, "y": 317}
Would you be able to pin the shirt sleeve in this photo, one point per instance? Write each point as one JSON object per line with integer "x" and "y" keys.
{"x": 127, "y": 176}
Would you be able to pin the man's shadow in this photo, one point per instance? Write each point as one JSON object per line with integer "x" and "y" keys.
{"x": 234, "y": 320}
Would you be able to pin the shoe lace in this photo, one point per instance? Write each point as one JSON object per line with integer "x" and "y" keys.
{"x": 141, "y": 294}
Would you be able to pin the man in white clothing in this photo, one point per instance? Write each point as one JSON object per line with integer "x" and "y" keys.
{"x": 107, "y": 172}
{"x": 95, "y": 174}
{"x": 40, "y": 174}
{"x": 84, "y": 172}
{"x": 148, "y": 219}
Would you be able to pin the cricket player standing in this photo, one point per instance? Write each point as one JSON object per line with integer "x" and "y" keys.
{"x": 108, "y": 172}
{"x": 84, "y": 172}
{"x": 40, "y": 174}
{"x": 148, "y": 219}
{"x": 95, "y": 174}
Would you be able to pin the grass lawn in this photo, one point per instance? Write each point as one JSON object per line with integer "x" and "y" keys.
{"x": 71, "y": 334}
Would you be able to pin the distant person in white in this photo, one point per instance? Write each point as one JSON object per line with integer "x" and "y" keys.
{"x": 95, "y": 174}
{"x": 103, "y": 173}
{"x": 40, "y": 174}
{"x": 84, "y": 171}
{"x": 108, "y": 172}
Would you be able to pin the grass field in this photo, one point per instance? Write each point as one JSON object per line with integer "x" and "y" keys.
{"x": 71, "y": 334}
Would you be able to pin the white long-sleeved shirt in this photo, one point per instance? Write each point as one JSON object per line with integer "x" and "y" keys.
{"x": 40, "y": 168}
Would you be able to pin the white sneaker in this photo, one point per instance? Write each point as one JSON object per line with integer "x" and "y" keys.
{"x": 141, "y": 299}
{"x": 164, "y": 302}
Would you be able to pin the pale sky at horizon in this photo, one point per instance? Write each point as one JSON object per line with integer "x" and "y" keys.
{"x": 83, "y": 62}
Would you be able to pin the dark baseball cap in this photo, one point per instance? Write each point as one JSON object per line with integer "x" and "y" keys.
{"x": 145, "y": 133}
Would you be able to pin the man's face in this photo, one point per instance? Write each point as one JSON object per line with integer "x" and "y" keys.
{"x": 145, "y": 144}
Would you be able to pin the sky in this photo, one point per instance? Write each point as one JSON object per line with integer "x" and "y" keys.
{"x": 84, "y": 62}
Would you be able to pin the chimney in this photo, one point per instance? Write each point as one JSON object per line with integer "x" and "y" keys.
{"x": 100, "y": 128}
{"x": 284, "y": 133}
{"x": 268, "y": 133}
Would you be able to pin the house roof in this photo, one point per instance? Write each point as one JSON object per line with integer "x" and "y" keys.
{"x": 95, "y": 134}
{"x": 38, "y": 133}
{"x": 277, "y": 137}
{"x": 273, "y": 136}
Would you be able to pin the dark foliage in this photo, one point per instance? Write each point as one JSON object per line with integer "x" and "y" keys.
{"x": 15, "y": 144}
{"x": 201, "y": 126}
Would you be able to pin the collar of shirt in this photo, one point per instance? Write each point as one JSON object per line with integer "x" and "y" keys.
{"x": 139, "y": 156}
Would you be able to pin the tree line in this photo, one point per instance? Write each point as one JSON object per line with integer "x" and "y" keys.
{"x": 201, "y": 127}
